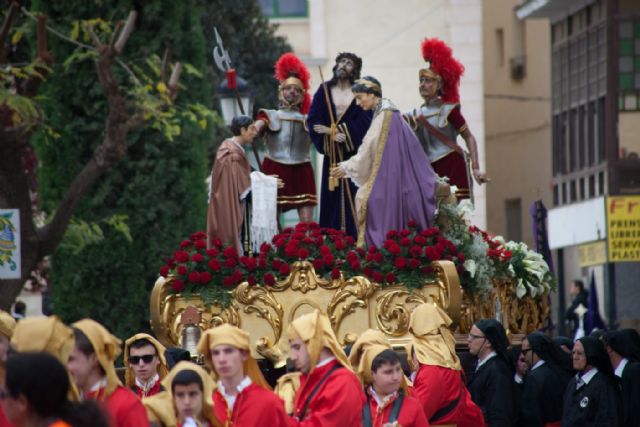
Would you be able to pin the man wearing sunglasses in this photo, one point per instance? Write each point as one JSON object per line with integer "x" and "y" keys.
{"x": 146, "y": 365}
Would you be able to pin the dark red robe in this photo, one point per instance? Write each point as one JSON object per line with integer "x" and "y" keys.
{"x": 255, "y": 406}
{"x": 436, "y": 387}
{"x": 335, "y": 404}
{"x": 411, "y": 413}
{"x": 4, "y": 422}
{"x": 123, "y": 408}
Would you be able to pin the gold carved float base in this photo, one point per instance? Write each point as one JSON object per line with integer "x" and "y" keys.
{"x": 352, "y": 305}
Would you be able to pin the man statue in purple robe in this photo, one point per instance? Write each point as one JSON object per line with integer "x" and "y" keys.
{"x": 395, "y": 179}
{"x": 334, "y": 113}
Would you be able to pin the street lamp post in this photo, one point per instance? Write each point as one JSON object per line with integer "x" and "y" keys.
{"x": 229, "y": 106}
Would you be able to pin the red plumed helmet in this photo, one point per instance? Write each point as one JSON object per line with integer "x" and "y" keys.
{"x": 291, "y": 70}
{"x": 444, "y": 65}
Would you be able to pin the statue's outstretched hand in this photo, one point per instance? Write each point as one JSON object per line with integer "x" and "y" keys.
{"x": 480, "y": 177}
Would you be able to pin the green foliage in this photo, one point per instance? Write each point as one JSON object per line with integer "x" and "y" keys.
{"x": 81, "y": 234}
{"x": 25, "y": 111}
{"x": 160, "y": 185}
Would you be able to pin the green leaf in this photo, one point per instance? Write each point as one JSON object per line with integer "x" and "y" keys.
{"x": 75, "y": 30}
{"x": 15, "y": 39}
{"x": 192, "y": 71}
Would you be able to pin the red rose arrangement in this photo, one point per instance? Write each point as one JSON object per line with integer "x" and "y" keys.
{"x": 215, "y": 270}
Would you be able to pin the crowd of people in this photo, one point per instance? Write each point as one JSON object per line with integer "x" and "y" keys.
{"x": 54, "y": 375}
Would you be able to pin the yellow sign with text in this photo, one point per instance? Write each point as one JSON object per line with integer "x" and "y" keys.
{"x": 591, "y": 254}
{"x": 623, "y": 228}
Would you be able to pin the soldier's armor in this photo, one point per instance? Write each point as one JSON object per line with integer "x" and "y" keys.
{"x": 437, "y": 115}
{"x": 287, "y": 137}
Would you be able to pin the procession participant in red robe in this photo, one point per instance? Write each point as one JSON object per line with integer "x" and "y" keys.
{"x": 243, "y": 397}
{"x": 35, "y": 393}
{"x": 91, "y": 367}
{"x": 7, "y": 326}
{"x": 147, "y": 366}
{"x": 367, "y": 339}
{"x": 187, "y": 399}
{"x": 438, "y": 382}
{"x": 387, "y": 401}
{"x": 49, "y": 335}
{"x": 329, "y": 391}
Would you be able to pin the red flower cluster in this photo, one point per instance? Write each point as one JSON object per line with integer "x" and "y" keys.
{"x": 327, "y": 249}
{"x": 496, "y": 250}
{"x": 406, "y": 256}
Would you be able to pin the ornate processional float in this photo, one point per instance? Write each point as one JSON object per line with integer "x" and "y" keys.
{"x": 462, "y": 269}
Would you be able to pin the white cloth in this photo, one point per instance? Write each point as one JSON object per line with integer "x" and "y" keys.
{"x": 147, "y": 386}
{"x": 584, "y": 379}
{"x": 231, "y": 398}
{"x": 190, "y": 422}
{"x": 538, "y": 364}
{"x": 621, "y": 367}
{"x": 381, "y": 400}
{"x": 264, "y": 215}
{"x": 325, "y": 361}
{"x": 483, "y": 361}
{"x": 97, "y": 386}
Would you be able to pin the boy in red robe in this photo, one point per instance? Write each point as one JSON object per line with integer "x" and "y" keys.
{"x": 243, "y": 397}
{"x": 330, "y": 393}
{"x": 186, "y": 400}
{"x": 438, "y": 383}
{"x": 387, "y": 399}
{"x": 91, "y": 367}
{"x": 362, "y": 368}
{"x": 49, "y": 335}
{"x": 147, "y": 365}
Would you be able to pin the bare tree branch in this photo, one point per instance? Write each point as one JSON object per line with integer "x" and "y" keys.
{"x": 173, "y": 81}
{"x": 43, "y": 45}
{"x": 126, "y": 32}
{"x": 114, "y": 35}
{"x": 4, "y": 30}
{"x": 164, "y": 67}
{"x": 94, "y": 37}
{"x": 8, "y": 19}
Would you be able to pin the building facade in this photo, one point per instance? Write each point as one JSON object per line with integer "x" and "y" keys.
{"x": 594, "y": 223}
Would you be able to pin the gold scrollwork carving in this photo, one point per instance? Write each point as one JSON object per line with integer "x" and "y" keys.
{"x": 259, "y": 300}
{"x": 353, "y": 294}
{"x": 449, "y": 289}
{"x": 229, "y": 315}
{"x": 393, "y": 316}
{"x": 167, "y": 309}
{"x": 303, "y": 278}
{"x": 518, "y": 315}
